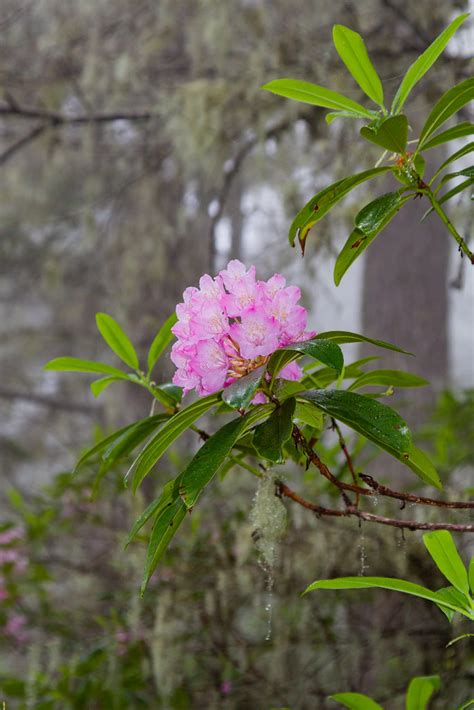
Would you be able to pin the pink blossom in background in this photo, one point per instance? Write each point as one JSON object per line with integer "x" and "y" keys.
{"x": 231, "y": 325}
{"x": 15, "y": 627}
{"x": 10, "y": 535}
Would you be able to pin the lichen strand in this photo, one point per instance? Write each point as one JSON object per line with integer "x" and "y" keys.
{"x": 268, "y": 517}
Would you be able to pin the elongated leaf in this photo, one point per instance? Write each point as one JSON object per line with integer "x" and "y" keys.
{"x": 454, "y": 596}
{"x": 330, "y": 117}
{"x": 327, "y": 352}
{"x": 374, "y": 420}
{"x": 465, "y": 150}
{"x": 420, "y": 464}
{"x": 346, "y": 336}
{"x": 272, "y": 435}
{"x": 426, "y": 60}
{"x": 75, "y": 364}
{"x": 213, "y": 454}
{"x": 117, "y": 340}
{"x": 240, "y": 393}
{"x": 391, "y": 134}
{"x": 465, "y": 172}
{"x": 396, "y": 378}
{"x": 395, "y": 585}
{"x": 471, "y": 574}
{"x": 455, "y": 191}
{"x": 173, "y": 429}
{"x": 450, "y": 134}
{"x": 155, "y": 508}
{"x": 370, "y": 221}
{"x": 319, "y": 205}
{"x": 420, "y": 691}
{"x": 161, "y": 341}
{"x": 351, "y": 48}
{"x": 107, "y": 444}
{"x": 356, "y": 701}
{"x": 454, "y": 99}
{"x": 165, "y": 528}
{"x": 315, "y": 95}
{"x": 98, "y": 386}
{"x": 442, "y": 549}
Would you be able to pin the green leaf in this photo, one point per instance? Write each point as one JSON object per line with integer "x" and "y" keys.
{"x": 471, "y": 574}
{"x": 465, "y": 150}
{"x": 155, "y": 508}
{"x": 395, "y": 378}
{"x": 466, "y": 172}
{"x": 391, "y": 134}
{"x": 450, "y": 134}
{"x": 98, "y": 386}
{"x": 395, "y": 585}
{"x": 212, "y": 455}
{"x": 319, "y": 205}
{"x": 420, "y": 691}
{"x": 374, "y": 420}
{"x": 453, "y": 596}
{"x": 453, "y": 100}
{"x": 346, "y": 336}
{"x": 356, "y": 701}
{"x": 308, "y": 414}
{"x": 459, "y": 638}
{"x": 442, "y": 549}
{"x": 240, "y": 393}
{"x": 166, "y": 524}
{"x": 330, "y": 117}
{"x": 173, "y": 429}
{"x": 327, "y": 352}
{"x": 455, "y": 191}
{"x": 108, "y": 442}
{"x": 315, "y": 95}
{"x": 75, "y": 364}
{"x": 426, "y": 60}
{"x": 161, "y": 341}
{"x": 351, "y": 48}
{"x": 369, "y": 223}
{"x": 270, "y": 437}
{"x": 420, "y": 464}
{"x": 116, "y": 339}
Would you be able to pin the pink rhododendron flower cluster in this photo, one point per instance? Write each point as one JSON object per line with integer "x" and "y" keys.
{"x": 231, "y": 325}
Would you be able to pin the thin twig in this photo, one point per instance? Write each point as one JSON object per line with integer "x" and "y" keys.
{"x": 19, "y": 144}
{"x": 342, "y": 444}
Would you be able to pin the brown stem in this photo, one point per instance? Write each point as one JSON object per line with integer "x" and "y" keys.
{"x": 342, "y": 444}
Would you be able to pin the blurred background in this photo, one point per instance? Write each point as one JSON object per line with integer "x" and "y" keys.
{"x": 138, "y": 152}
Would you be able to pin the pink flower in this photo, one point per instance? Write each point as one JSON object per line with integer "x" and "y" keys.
{"x": 231, "y": 325}
{"x": 14, "y": 627}
{"x": 10, "y": 535}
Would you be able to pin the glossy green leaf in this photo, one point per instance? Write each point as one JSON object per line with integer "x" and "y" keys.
{"x": 426, "y": 60}
{"x": 465, "y": 150}
{"x": 391, "y": 134}
{"x": 315, "y": 95}
{"x": 356, "y": 701}
{"x": 327, "y": 352}
{"x": 453, "y": 100}
{"x": 161, "y": 341}
{"x": 450, "y": 134}
{"x": 471, "y": 574}
{"x": 330, "y": 117}
{"x": 465, "y": 172}
{"x": 346, "y": 336}
{"x": 420, "y": 464}
{"x": 420, "y": 691}
{"x": 213, "y": 454}
{"x": 241, "y": 392}
{"x": 165, "y": 527}
{"x": 395, "y": 585}
{"x": 455, "y": 191}
{"x": 75, "y": 364}
{"x": 98, "y": 386}
{"x": 453, "y": 596}
{"x": 374, "y": 420}
{"x": 370, "y": 221}
{"x": 396, "y": 378}
{"x": 171, "y": 431}
{"x": 440, "y": 545}
{"x": 319, "y": 205}
{"x": 351, "y": 48}
{"x": 272, "y": 435}
{"x": 117, "y": 340}
{"x": 308, "y": 414}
